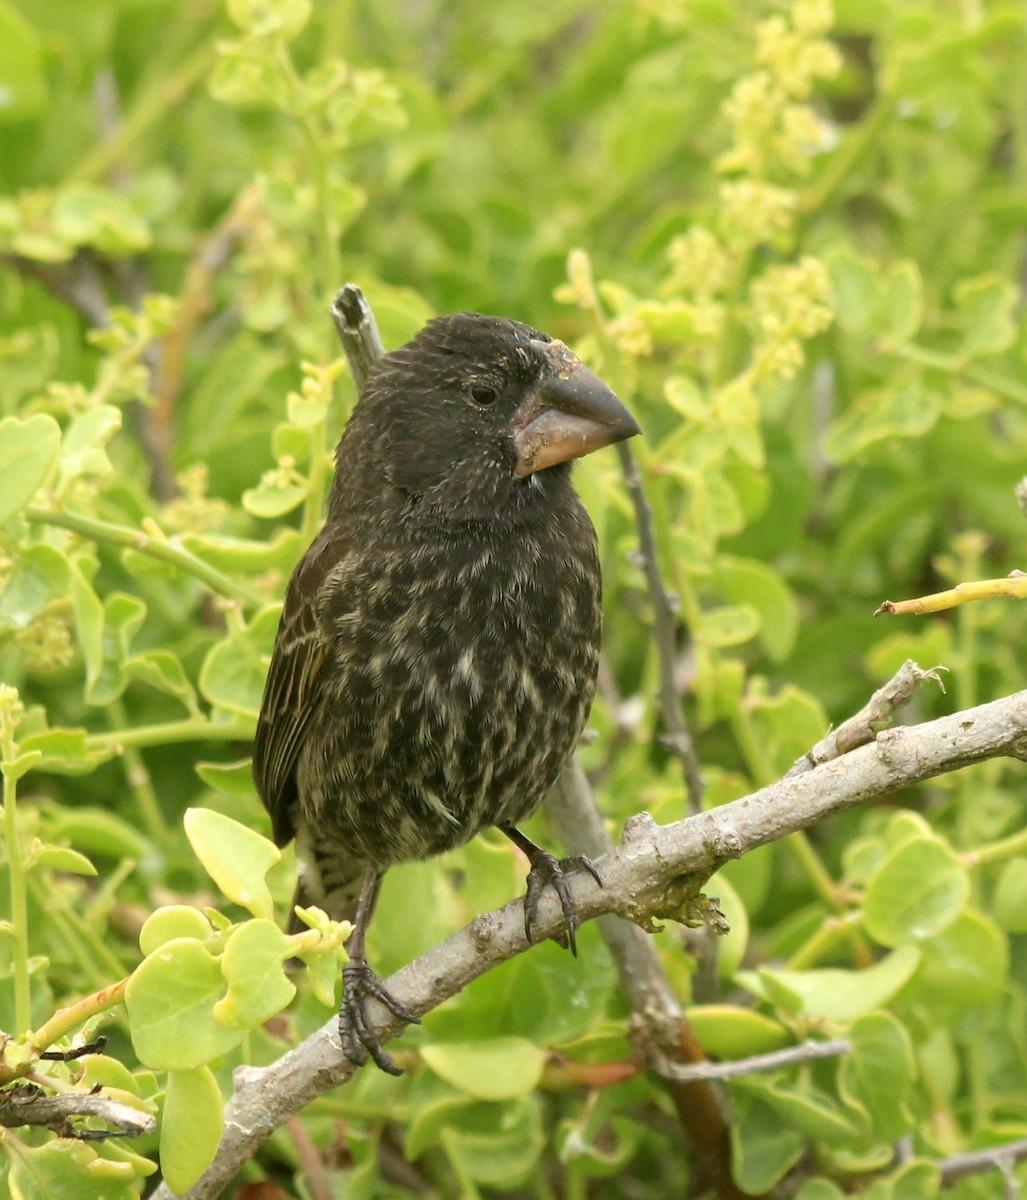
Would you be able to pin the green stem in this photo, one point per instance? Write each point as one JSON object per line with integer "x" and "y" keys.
{"x": 138, "y": 778}
{"x": 823, "y": 940}
{"x": 841, "y": 165}
{"x": 1000, "y": 851}
{"x": 956, "y": 365}
{"x": 312, "y": 137}
{"x": 997, "y": 383}
{"x": 170, "y": 733}
{"x": 66, "y": 1020}
{"x": 156, "y": 547}
{"x": 95, "y": 961}
{"x": 19, "y": 895}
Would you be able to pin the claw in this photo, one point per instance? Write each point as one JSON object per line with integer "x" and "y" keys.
{"x": 545, "y": 868}
{"x": 358, "y": 1038}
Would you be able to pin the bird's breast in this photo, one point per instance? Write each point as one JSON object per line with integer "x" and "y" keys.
{"x": 463, "y": 677}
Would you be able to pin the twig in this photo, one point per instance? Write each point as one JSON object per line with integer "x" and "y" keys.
{"x": 1012, "y": 587}
{"x": 26, "y": 1104}
{"x": 971, "y": 1162}
{"x": 804, "y": 1052}
{"x": 77, "y": 283}
{"x": 662, "y": 1033}
{"x": 651, "y": 873}
{"x": 310, "y": 1160}
{"x": 358, "y": 332}
{"x": 873, "y": 716}
{"x": 677, "y": 739}
{"x": 152, "y": 542}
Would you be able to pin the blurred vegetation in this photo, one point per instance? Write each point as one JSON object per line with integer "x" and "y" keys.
{"x": 793, "y": 238}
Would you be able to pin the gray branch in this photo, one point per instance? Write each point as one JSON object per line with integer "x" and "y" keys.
{"x": 677, "y": 739}
{"x": 652, "y": 872}
{"x": 804, "y": 1052}
{"x": 26, "y": 1104}
{"x": 358, "y": 332}
{"x": 972, "y": 1162}
{"x": 877, "y": 713}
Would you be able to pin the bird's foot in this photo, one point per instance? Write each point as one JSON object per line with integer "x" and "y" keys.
{"x": 358, "y": 1038}
{"x": 546, "y": 868}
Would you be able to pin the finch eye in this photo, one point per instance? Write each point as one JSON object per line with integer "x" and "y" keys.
{"x": 482, "y": 394}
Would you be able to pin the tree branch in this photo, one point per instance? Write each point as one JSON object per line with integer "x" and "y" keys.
{"x": 677, "y": 739}
{"x": 653, "y": 872}
{"x": 876, "y": 713}
{"x": 804, "y": 1052}
{"x": 26, "y": 1104}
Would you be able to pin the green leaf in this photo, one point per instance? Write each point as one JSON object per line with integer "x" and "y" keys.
{"x": 801, "y": 1109}
{"x": 499, "y": 1069}
{"x": 686, "y": 398}
{"x": 237, "y": 555}
{"x": 170, "y": 1000}
{"x": 900, "y": 304}
{"x": 497, "y": 1145}
{"x": 88, "y": 610}
{"x": 82, "y": 451}
{"x": 819, "y": 1189}
{"x": 744, "y": 581}
{"x": 606, "y": 1153}
{"x": 170, "y": 922}
{"x": 728, "y": 625}
{"x": 965, "y": 965}
{"x": 762, "y": 1152}
{"x": 233, "y": 673}
{"x": 727, "y": 1031}
{"x": 236, "y": 778}
{"x": 878, "y": 1074}
{"x": 28, "y": 450}
{"x": 85, "y": 214}
{"x": 837, "y": 994}
{"x": 855, "y": 285}
{"x": 901, "y": 409}
{"x": 163, "y": 670}
{"x": 235, "y": 857}
{"x": 271, "y": 499}
{"x": 1010, "y": 902}
{"x": 68, "y": 1170}
{"x": 122, "y": 616}
{"x": 919, "y": 889}
{"x": 97, "y": 831}
{"x": 258, "y": 987}
{"x": 60, "y": 858}
{"x": 23, "y": 90}
{"x": 190, "y": 1127}
{"x": 40, "y": 575}
{"x": 283, "y": 18}
{"x": 987, "y": 306}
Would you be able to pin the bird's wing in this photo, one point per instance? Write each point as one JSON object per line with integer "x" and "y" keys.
{"x": 294, "y": 684}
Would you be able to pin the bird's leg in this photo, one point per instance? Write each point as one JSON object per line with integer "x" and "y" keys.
{"x": 360, "y": 981}
{"x": 546, "y": 868}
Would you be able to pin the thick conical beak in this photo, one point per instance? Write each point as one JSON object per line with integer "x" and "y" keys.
{"x": 569, "y": 414}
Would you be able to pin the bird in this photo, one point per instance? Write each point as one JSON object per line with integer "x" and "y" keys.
{"x": 436, "y": 657}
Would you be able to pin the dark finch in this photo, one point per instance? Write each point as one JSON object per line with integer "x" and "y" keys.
{"x": 437, "y": 653}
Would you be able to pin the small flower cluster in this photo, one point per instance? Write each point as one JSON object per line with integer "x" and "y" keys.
{"x": 46, "y": 644}
{"x": 193, "y": 509}
{"x": 789, "y": 304}
{"x": 775, "y": 131}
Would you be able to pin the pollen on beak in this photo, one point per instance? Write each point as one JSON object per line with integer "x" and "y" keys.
{"x": 567, "y": 415}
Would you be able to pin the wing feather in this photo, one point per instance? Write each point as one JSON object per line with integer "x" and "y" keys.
{"x": 295, "y": 683}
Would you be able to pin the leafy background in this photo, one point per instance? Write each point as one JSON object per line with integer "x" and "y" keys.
{"x": 793, "y": 238}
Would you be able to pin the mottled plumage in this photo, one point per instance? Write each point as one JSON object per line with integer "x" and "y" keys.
{"x": 439, "y": 642}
